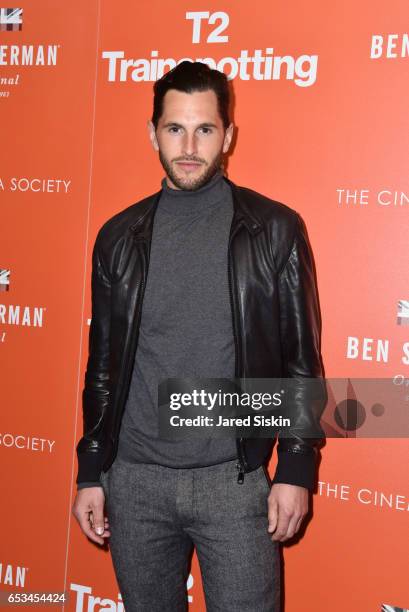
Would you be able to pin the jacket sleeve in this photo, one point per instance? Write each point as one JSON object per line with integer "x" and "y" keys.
{"x": 300, "y": 328}
{"x": 95, "y": 395}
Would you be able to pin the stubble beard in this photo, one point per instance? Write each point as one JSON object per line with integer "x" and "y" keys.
{"x": 194, "y": 183}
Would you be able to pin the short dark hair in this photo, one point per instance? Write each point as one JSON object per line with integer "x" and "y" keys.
{"x": 189, "y": 77}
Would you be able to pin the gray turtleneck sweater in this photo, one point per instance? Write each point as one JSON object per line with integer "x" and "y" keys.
{"x": 186, "y": 324}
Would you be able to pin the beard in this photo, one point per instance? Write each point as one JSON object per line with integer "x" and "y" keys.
{"x": 192, "y": 184}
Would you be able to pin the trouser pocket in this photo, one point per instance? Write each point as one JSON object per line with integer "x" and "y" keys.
{"x": 266, "y": 476}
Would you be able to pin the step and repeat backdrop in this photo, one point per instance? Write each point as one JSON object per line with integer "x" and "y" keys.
{"x": 321, "y": 109}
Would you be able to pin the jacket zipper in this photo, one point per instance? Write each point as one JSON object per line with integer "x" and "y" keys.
{"x": 240, "y": 477}
{"x": 241, "y": 459}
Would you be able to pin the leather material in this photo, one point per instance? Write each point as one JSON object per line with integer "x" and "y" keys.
{"x": 276, "y": 324}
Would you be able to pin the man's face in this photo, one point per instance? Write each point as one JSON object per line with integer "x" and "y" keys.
{"x": 190, "y": 138}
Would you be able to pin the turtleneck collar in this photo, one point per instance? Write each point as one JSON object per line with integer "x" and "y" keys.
{"x": 180, "y": 201}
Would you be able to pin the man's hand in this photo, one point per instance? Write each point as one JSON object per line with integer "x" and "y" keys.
{"x": 88, "y": 509}
{"x": 287, "y": 506}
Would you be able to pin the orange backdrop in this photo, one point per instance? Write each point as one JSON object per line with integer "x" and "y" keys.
{"x": 323, "y": 126}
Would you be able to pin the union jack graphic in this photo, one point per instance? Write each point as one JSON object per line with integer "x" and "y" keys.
{"x": 403, "y": 312}
{"x": 4, "y": 280}
{"x": 11, "y": 19}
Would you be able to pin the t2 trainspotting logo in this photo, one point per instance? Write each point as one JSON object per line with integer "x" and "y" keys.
{"x": 11, "y": 19}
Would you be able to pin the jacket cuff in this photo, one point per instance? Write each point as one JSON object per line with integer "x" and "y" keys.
{"x": 85, "y": 485}
{"x": 89, "y": 467}
{"x": 296, "y": 468}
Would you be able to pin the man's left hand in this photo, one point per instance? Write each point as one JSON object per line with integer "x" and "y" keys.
{"x": 287, "y": 507}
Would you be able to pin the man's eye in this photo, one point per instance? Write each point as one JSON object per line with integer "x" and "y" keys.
{"x": 173, "y": 129}
{"x": 206, "y": 130}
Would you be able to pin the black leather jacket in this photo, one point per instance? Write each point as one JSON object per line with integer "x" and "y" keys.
{"x": 276, "y": 325}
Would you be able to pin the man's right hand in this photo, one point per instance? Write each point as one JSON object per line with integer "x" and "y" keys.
{"x": 88, "y": 509}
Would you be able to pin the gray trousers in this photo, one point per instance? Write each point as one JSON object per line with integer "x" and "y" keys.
{"x": 158, "y": 514}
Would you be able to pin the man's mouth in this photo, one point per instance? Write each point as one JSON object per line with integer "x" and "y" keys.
{"x": 188, "y": 166}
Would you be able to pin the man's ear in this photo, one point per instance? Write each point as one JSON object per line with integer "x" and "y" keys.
{"x": 228, "y": 138}
{"x": 152, "y": 135}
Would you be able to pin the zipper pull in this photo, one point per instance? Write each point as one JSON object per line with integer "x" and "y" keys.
{"x": 240, "y": 476}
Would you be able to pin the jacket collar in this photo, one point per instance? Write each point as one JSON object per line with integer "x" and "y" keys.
{"x": 242, "y": 213}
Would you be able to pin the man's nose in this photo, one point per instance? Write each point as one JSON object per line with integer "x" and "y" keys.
{"x": 189, "y": 144}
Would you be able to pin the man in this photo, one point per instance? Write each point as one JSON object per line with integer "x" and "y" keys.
{"x": 230, "y": 293}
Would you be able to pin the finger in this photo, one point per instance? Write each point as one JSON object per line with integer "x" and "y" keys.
{"x": 298, "y": 525}
{"x": 272, "y": 516}
{"x": 86, "y": 527}
{"x": 292, "y": 526}
{"x": 282, "y": 525}
{"x": 97, "y": 518}
{"x": 106, "y": 533}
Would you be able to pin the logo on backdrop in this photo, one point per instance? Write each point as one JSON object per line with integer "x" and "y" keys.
{"x": 379, "y": 500}
{"x": 85, "y": 600}
{"x": 16, "y": 314}
{"x": 23, "y": 442}
{"x": 391, "y": 46}
{"x": 35, "y": 185}
{"x": 14, "y": 575}
{"x": 378, "y": 349}
{"x": 29, "y": 316}
{"x": 350, "y": 197}
{"x": 259, "y": 65}
{"x": 373, "y": 349}
{"x": 11, "y": 19}
{"x": 28, "y": 55}
{"x": 388, "y": 608}
{"x": 4, "y": 280}
{"x": 403, "y": 312}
